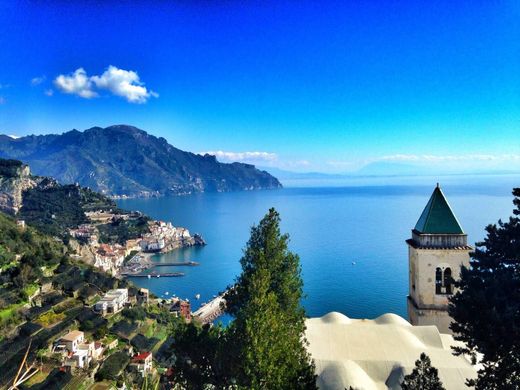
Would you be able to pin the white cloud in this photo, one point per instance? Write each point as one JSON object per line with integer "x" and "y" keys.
{"x": 49, "y": 92}
{"x": 124, "y": 83}
{"x": 119, "y": 82}
{"x": 77, "y": 83}
{"x": 37, "y": 80}
{"x": 251, "y": 157}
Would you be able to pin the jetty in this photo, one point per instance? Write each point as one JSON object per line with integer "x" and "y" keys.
{"x": 177, "y": 264}
{"x": 211, "y": 310}
{"x": 155, "y": 275}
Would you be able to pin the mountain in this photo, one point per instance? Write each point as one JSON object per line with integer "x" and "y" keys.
{"x": 126, "y": 161}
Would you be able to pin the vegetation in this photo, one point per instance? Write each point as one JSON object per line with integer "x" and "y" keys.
{"x": 10, "y": 168}
{"x": 486, "y": 308}
{"x": 113, "y": 366}
{"x": 121, "y": 230}
{"x": 423, "y": 376}
{"x": 55, "y": 208}
{"x": 264, "y": 347}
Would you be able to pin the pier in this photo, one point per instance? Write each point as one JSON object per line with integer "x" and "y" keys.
{"x": 178, "y": 264}
{"x": 155, "y": 275}
{"x": 211, "y": 310}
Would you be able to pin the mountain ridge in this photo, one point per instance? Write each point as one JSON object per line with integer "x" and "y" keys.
{"x": 123, "y": 160}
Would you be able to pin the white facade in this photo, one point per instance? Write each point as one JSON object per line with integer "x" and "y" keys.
{"x": 113, "y": 301}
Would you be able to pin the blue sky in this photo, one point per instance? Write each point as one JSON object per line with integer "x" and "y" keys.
{"x": 305, "y": 86}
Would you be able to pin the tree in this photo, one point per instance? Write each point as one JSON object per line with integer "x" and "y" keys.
{"x": 486, "y": 307}
{"x": 423, "y": 376}
{"x": 267, "y": 337}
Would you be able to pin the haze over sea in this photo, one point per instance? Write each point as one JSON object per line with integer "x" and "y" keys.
{"x": 350, "y": 235}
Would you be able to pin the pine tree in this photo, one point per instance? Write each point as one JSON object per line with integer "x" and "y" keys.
{"x": 423, "y": 376}
{"x": 268, "y": 333}
{"x": 486, "y": 308}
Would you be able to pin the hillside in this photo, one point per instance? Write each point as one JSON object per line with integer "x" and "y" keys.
{"x": 123, "y": 160}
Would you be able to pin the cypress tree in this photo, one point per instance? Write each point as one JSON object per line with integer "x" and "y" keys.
{"x": 268, "y": 333}
{"x": 423, "y": 376}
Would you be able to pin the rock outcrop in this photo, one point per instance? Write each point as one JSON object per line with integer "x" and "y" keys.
{"x": 15, "y": 178}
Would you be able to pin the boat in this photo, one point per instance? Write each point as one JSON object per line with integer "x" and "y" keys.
{"x": 197, "y": 296}
{"x": 166, "y": 293}
{"x": 149, "y": 276}
{"x": 353, "y": 263}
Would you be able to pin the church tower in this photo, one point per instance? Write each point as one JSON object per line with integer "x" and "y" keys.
{"x": 437, "y": 250}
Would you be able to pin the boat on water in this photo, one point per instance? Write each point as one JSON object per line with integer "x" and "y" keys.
{"x": 197, "y": 296}
{"x": 149, "y": 276}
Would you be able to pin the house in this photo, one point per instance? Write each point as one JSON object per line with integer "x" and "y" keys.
{"x": 377, "y": 354}
{"x": 112, "y": 302}
{"x": 77, "y": 352}
{"x": 182, "y": 308}
{"x": 97, "y": 351}
{"x": 78, "y": 359}
{"x": 72, "y": 340}
{"x": 150, "y": 244}
{"x": 142, "y": 363}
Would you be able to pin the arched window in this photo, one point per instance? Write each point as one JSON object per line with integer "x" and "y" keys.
{"x": 438, "y": 281}
{"x": 447, "y": 280}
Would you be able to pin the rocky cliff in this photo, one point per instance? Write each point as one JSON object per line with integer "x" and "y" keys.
{"x": 15, "y": 178}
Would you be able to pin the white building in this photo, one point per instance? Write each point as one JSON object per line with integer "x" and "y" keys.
{"x": 377, "y": 354}
{"x": 77, "y": 352}
{"x": 437, "y": 250}
{"x": 112, "y": 302}
{"x": 142, "y": 363}
{"x": 72, "y": 340}
{"x": 152, "y": 244}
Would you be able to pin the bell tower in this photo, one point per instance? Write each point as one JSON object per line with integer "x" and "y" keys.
{"x": 437, "y": 250}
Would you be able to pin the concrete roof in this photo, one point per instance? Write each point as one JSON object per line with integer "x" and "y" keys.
{"x": 376, "y": 354}
{"x": 72, "y": 335}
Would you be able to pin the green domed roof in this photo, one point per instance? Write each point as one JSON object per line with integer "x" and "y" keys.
{"x": 437, "y": 217}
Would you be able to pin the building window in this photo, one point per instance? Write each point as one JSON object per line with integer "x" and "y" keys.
{"x": 443, "y": 281}
{"x": 447, "y": 280}
{"x": 438, "y": 281}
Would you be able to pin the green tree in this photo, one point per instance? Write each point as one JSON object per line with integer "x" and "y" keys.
{"x": 267, "y": 337}
{"x": 487, "y": 305}
{"x": 423, "y": 376}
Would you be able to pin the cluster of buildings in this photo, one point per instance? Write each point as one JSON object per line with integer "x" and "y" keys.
{"x": 161, "y": 234}
{"x": 78, "y": 353}
{"x": 110, "y": 257}
{"x": 85, "y": 233}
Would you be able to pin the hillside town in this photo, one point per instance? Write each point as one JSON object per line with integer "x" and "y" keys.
{"x": 156, "y": 237}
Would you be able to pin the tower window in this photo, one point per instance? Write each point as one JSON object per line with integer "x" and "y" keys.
{"x": 443, "y": 281}
{"x": 447, "y": 280}
{"x": 438, "y": 281}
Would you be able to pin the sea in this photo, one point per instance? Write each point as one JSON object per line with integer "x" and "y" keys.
{"x": 349, "y": 234}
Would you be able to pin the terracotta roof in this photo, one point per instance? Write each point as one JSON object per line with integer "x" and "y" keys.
{"x": 141, "y": 356}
